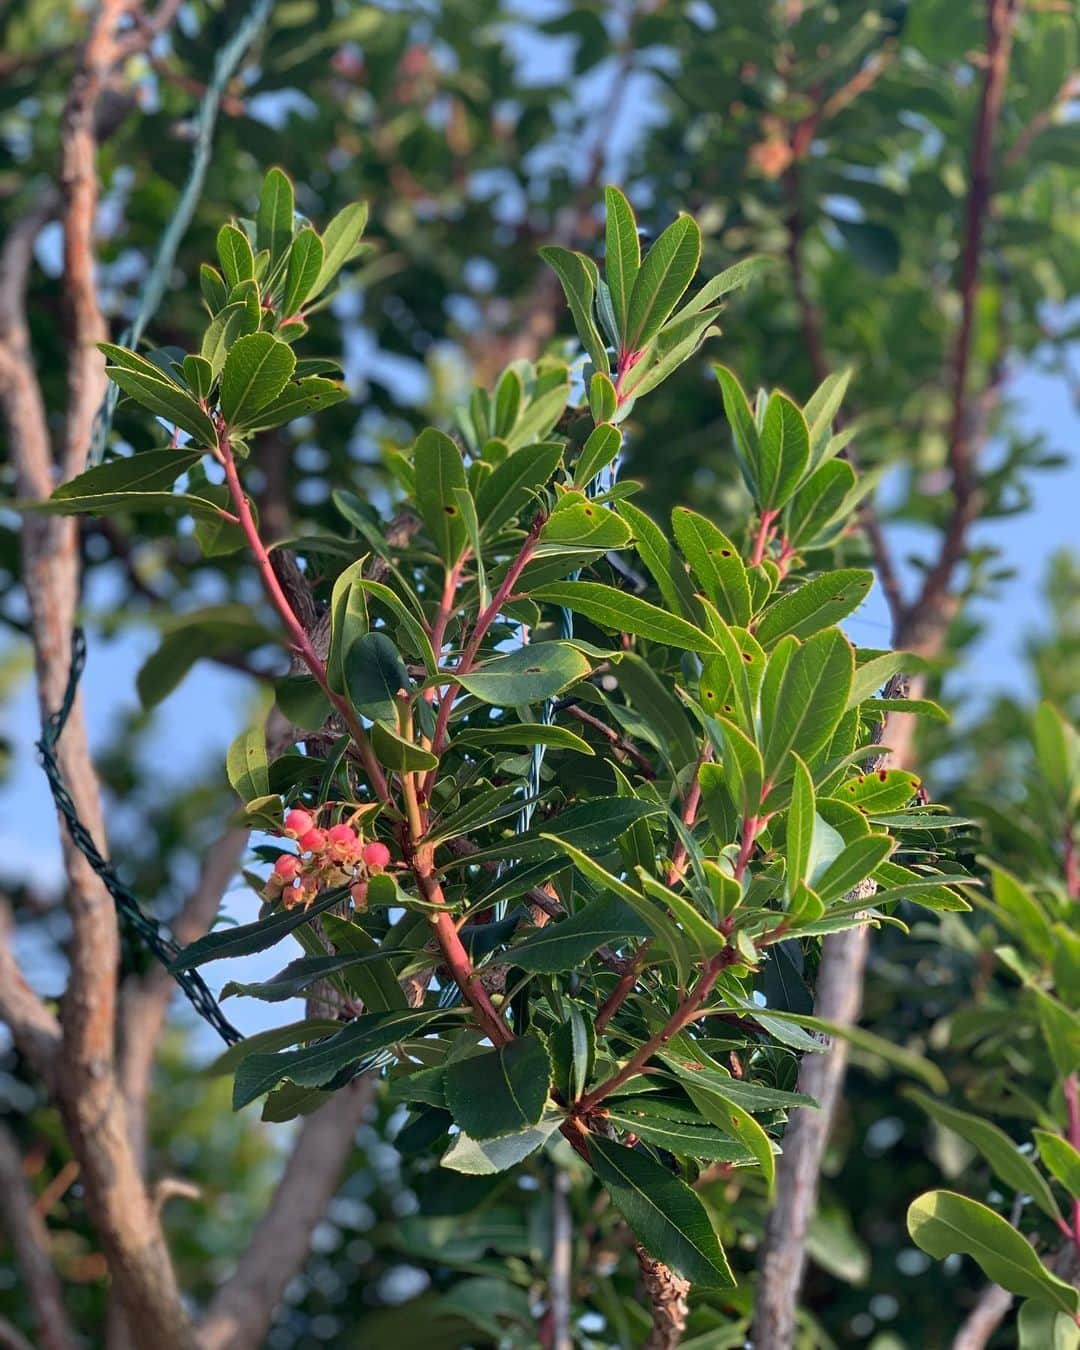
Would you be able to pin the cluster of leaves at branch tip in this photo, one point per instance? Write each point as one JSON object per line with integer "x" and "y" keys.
{"x": 625, "y": 975}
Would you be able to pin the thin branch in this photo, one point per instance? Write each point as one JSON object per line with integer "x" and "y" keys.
{"x": 241, "y": 1311}
{"x": 928, "y": 615}
{"x": 30, "y": 1239}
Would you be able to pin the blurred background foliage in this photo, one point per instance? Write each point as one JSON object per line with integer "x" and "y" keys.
{"x": 832, "y": 134}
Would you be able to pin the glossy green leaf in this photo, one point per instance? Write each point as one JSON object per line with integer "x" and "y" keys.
{"x": 814, "y": 606}
{"x": 565, "y": 944}
{"x": 1006, "y": 1161}
{"x": 667, "y": 270}
{"x": 166, "y": 400}
{"x": 501, "y": 1091}
{"x": 316, "y": 1065}
{"x": 942, "y": 1222}
{"x": 811, "y": 699}
{"x": 247, "y": 938}
{"x": 858, "y": 861}
{"x": 274, "y": 222}
{"x": 273, "y": 1038}
{"x": 622, "y": 255}
{"x": 440, "y": 473}
{"x": 514, "y": 485}
{"x": 798, "y": 842}
{"x": 341, "y": 242}
{"x": 235, "y": 255}
{"x": 578, "y": 276}
{"x": 663, "y": 563}
{"x": 484, "y": 1157}
{"x": 524, "y": 734}
{"x": 395, "y": 752}
{"x": 597, "y": 453}
{"x": 301, "y": 273}
{"x": 648, "y": 1118}
{"x": 246, "y": 764}
{"x": 716, "y": 563}
{"x": 615, "y": 609}
{"x": 256, "y": 371}
{"x": 531, "y": 674}
{"x": 1060, "y": 1159}
{"x": 374, "y": 674}
{"x": 663, "y": 1212}
{"x": 785, "y": 452}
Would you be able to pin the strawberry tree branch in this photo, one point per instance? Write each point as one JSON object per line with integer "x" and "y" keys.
{"x": 298, "y": 634}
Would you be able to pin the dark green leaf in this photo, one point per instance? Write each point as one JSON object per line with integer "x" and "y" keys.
{"x": 501, "y": 1091}
{"x": 815, "y": 605}
{"x": 565, "y": 944}
{"x": 256, "y": 370}
{"x": 274, "y": 223}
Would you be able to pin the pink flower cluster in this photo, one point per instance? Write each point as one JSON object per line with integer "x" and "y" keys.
{"x": 329, "y": 857}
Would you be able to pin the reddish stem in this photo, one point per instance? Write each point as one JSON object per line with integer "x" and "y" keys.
{"x": 761, "y": 539}
{"x": 1072, "y": 1106}
{"x": 689, "y": 1008}
{"x": 297, "y": 634}
{"x": 483, "y": 623}
{"x": 625, "y": 986}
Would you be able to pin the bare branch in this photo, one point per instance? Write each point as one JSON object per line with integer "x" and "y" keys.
{"x": 241, "y": 1311}
{"x": 30, "y": 1239}
{"x": 990, "y": 1310}
{"x": 667, "y": 1298}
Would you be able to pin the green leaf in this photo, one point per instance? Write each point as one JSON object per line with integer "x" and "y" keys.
{"x": 501, "y": 1091}
{"x": 622, "y": 255}
{"x": 579, "y": 277}
{"x": 615, "y": 609}
{"x": 531, "y": 674}
{"x": 348, "y": 621}
{"x": 213, "y": 288}
{"x": 374, "y": 982}
{"x": 702, "y": 936}
{"x": 1060, "y": 1159}
{"x": 315, "y": 1065}
{"x": 942, "y": 1222}
{"x": 870, "y": 676}
{"x": 815, "y": 605}
{"x": 660, "y": 558}
{"x": 743, "y": 427}
{"x": 811, "y": 699}
{"x": 593, "y": 826}
{"x": 800, "y": 827}
{"x": 603, "y": 401}
{"x": 440, "y": 474}
{"x": 1006, "y": 1161}
{"x": 716, "y": 564}
{"x": 735, "y": 1120}
{"x": 309, "y": 395}
{"x": 597, "y": 453}
{"x": 565, "y": 944}
{"x": 395, "y": 752}
{"x": 906, "y": 1061}
{"x": 516, "y": 483}
{"x": 526, "y": 734}
{"x": 246, "y": 765}
{"x": 165, "y": 399}
{"x": 142, "y": 473}
{"x": 651, "y": 1121}
{"x": 785, "y": 452}
{"x": 199, "y": 374}
{"x": 508, "y": 396}
{"x": 663, "y": 1212}
{"x": 1041, "y": 1328}
{"x": 247, "y": 938}
{"x": 668, "y": 269}
{"x": 341, "y": 241}
{"x": 577, "y": 522}
{"x": 273, "y": 1038}
{"x": 302, "y": 272}
{"x": 653, "y": 698}
{"x": 274, "y": 222}
{"x": 730, "y": 279}
{"x": 485, "y": 1157}
{"x": 224, "y": 328}
{"x": 235, "y": 255}
{"x": 374, "y": 673}
{"x": 1056, "y": 749}
{"x": 301, "y": 974}
{"x": 256, "y": 370}
{"x": 409, "y": 627}
{"x": 744, "y": 772}
{"x": 190, "y": 637}
{"x": 858, "y": 860}
{"x": 883, "y": 790}
{"x": 819, "y": 503}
